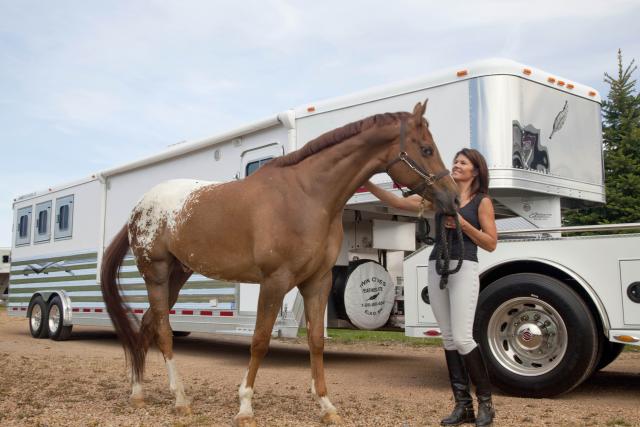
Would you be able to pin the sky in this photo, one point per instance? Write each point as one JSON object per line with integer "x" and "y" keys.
{"x": 88, "y": 85}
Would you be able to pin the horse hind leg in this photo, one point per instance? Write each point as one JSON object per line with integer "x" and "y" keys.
{"x": 159, "y": 291}
{"x": 147, "y": 335}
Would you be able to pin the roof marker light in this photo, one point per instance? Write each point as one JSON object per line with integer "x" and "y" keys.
{"x": 462, "y": 73}
{"x": 592, "y": 93}
{"x": 311, "y": 109}
{"x": 560, "y": 83}
{"x": 526, "y": 71}
{"x": 551, "y": 80}
{"x": 570, "y": 86}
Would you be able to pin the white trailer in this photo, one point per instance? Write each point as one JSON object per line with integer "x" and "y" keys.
{"x": 541, "y": 135}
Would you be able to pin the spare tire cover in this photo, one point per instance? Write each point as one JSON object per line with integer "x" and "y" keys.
{"x": 368, "y": 296}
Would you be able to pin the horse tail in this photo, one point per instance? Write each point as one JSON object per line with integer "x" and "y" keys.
{"x": 125, "y": 327}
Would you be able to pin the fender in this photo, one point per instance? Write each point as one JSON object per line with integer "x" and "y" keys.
{"x": 64, "y": 298}
{"x": 602, "y": 313}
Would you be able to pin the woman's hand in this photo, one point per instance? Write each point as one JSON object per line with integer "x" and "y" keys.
{"x": 450, "y": 222}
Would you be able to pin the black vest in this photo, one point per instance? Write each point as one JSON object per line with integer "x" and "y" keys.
{"x": 470, "y": 213}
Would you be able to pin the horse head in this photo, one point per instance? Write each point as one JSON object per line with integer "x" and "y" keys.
{"x": 414, "y": 161}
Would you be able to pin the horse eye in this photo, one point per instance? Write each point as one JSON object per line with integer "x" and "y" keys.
{"x": 426, "y": 151}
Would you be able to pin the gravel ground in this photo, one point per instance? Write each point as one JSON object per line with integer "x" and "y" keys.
{"x": 82, "y": 382}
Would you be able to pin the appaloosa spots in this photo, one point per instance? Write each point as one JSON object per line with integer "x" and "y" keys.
{"x": 162, "y": 206}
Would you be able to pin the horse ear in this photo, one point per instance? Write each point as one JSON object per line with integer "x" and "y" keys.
{"x": 419, "y": 109}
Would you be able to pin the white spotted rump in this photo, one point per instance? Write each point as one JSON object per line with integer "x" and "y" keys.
{"x": 162, "y": 206}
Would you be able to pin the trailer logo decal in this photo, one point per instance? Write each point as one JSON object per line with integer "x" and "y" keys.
{"x": 528, "y": 153}
{"x": 558, "y": 122}
{"x": 38, "y": 268}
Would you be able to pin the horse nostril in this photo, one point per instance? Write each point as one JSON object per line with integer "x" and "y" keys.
{"x": 457, "y": 201}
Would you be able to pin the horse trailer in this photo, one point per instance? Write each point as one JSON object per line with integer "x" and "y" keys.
{"x": 552, "y": 309}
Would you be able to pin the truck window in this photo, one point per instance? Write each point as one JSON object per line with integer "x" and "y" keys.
{"x": 43, "y": 219}
{"x": 64, "y": 217}
{"x": 255, "y": 165}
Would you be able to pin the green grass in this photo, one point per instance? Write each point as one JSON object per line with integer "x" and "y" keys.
{"x": 354, "y": 336}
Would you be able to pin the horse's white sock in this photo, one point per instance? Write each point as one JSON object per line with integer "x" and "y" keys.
{"x": 326, "y": 406}
{"x": 246, "y": 394}
{"x": 175, "y": 384}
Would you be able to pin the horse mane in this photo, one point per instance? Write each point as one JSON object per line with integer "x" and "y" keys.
{"x": 336, "y": 136}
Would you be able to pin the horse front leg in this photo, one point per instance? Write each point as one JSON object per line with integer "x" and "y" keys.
{"x": 316, "y": 294}
{"x": 272, "y": 293}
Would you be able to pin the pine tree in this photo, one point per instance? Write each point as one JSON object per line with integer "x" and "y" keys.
{"x": 621, "y": 145}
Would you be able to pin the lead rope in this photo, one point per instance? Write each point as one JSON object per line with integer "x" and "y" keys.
{"x": 443, "y": 254}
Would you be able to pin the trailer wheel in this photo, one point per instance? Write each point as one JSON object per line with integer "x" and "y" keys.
{"x": 37, "y": 315}
{"x": 610, "y": 352}
{"x": 57, "y": 330}
{"x": 539, "y": 338}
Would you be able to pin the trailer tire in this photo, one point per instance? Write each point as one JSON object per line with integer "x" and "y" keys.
{"x": 180, "y": 334}
{"x": 538, "y": 336}
{"x": 610, "y": 352}
{"x": 57, "y": 330}
{"x": 37, "y": 314}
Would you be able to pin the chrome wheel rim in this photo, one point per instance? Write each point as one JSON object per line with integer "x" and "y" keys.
{"x": 527, "y": 336}
{"x": 36, "y": 317}
{"x": 54, "y": 319}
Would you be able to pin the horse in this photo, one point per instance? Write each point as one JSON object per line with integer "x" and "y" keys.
{"x": 280, "y": 227}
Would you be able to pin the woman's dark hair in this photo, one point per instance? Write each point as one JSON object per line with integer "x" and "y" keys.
{"x": 480, "y": 183}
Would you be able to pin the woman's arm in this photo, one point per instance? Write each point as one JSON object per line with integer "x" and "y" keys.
{"x": 411, "y": 203}
{"x": 487, "y": 236}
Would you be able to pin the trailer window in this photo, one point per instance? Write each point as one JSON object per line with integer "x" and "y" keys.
{"x": 64, "y": 217}
{"x": 23, "y": 226}
{"x": 5, "y": 259}
{"x": 255, "y": 165}
{"x": 43, "y": 220}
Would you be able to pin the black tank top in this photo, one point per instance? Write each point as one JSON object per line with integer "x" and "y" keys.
{"x": 470, "y": 213}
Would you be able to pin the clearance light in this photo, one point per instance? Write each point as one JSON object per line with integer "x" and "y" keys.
{"x": 560, "y": 83}
{"x": 311, "y": 109}
{"x": 462, "y": 73}
{"x": 526, "y": 71}
{"x": 551, "y": 80}
{"x": 626, "y": 338}
{"x": 592, "y": 93}
{"x": 570, "y": 86}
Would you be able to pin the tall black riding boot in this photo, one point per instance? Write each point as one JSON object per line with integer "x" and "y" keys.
{"x": 480, "y": 378}
{"x": 463, "y": 411}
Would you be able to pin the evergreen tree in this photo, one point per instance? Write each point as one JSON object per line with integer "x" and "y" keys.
{"x": 621, "y": 145}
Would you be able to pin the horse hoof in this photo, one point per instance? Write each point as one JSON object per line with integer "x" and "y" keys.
{"x": 331, "y": 418}
{"x": 137, "y": 402}
{"x": 183, "y": 410}
{"x": 244, "y": 421}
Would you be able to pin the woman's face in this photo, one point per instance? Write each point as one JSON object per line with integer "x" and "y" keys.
{"x": 462, "y": 169}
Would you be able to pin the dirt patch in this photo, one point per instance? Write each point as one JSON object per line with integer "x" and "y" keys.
{"x": 83, "y": 382}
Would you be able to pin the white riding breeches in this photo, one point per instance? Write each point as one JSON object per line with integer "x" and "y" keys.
{"x": 455, "y": 306}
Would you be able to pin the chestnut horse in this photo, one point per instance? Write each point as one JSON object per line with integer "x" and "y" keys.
{"x": 280, "y": 227}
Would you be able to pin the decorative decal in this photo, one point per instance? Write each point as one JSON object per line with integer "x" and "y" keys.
{"x": 528, "y": 153}
{"x": 38, "y": 269}
{"x": 560, "y": 119}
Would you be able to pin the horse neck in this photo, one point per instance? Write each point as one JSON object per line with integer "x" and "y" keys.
{"x": 333, "y": 175}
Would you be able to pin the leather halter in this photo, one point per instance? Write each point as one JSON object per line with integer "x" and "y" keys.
{"x": 428, "y": 178}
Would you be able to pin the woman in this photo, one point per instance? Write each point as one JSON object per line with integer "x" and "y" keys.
{"x": 454, "y": 307}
